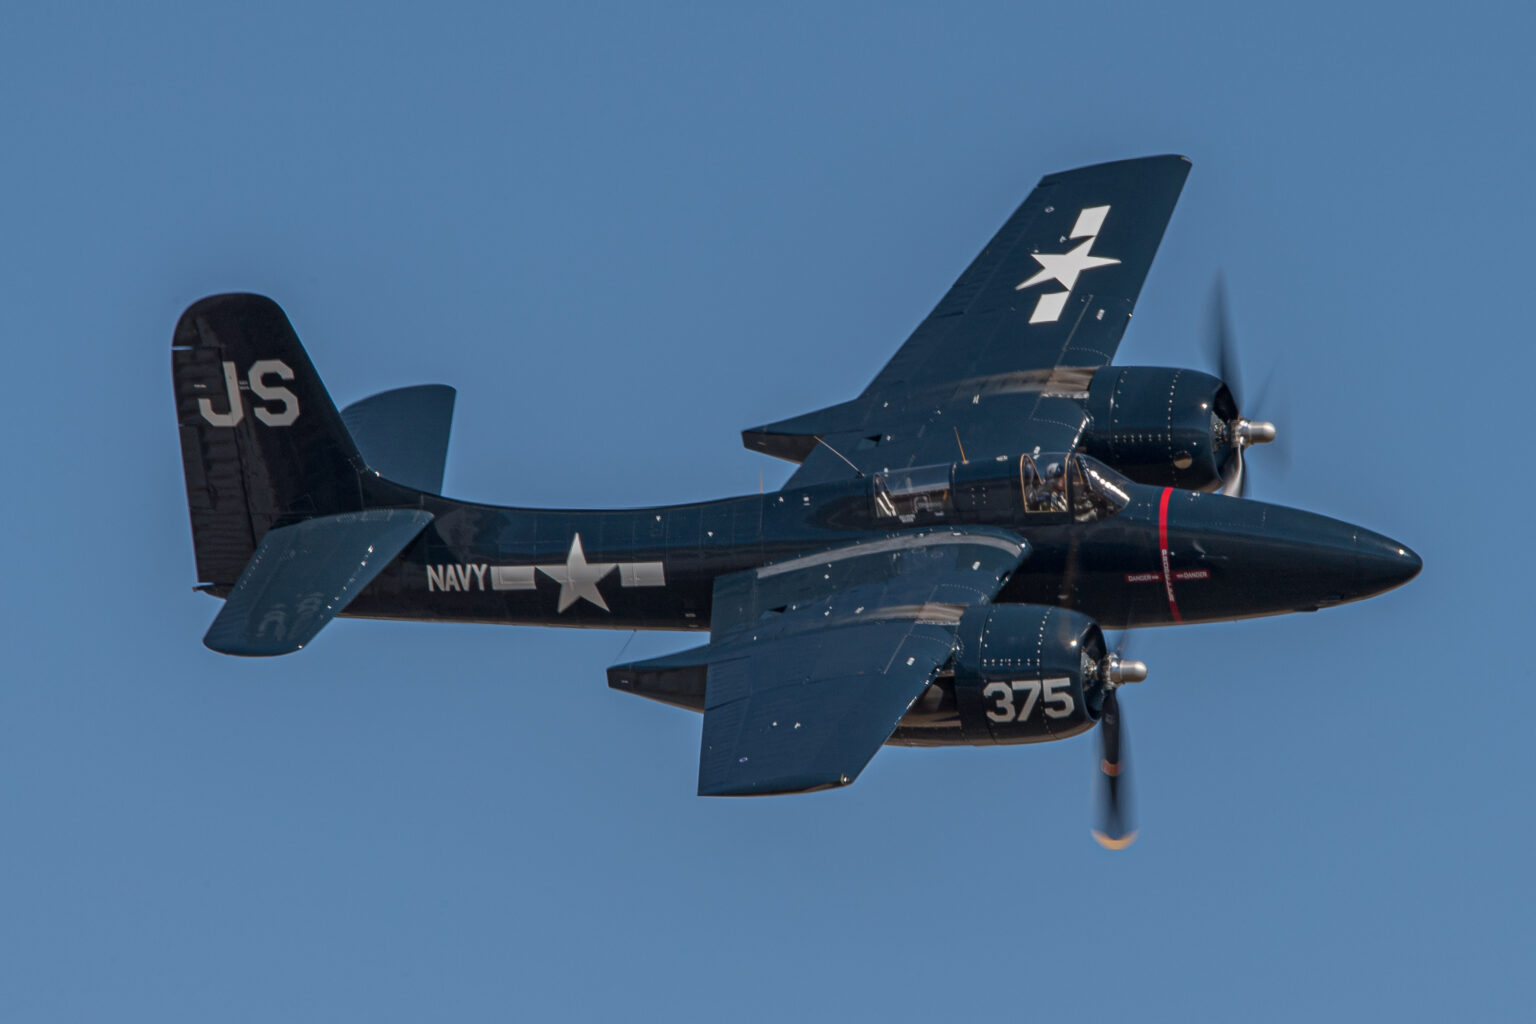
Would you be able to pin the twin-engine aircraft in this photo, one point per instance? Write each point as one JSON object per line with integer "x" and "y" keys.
{"x": 935, "y": 572}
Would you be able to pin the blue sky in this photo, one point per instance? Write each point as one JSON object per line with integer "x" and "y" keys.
{"x": 624, "y": 233}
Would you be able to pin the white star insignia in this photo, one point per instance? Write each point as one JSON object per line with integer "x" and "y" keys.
{"x": 578, "y": 578}
{"x": 1065, "y": 266}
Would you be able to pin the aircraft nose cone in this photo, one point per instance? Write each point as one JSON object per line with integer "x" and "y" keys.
{"x": 1383, "y": 563}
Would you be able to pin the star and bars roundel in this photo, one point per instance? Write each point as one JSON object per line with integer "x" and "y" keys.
{"x": 1064, "y": 267}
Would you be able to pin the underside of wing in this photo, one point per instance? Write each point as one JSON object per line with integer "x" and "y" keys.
{"x": 814, "y": 660}
{"x": 809, "y": 712}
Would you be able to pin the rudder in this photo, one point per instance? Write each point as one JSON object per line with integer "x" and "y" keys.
{"x": 262, "y": 444}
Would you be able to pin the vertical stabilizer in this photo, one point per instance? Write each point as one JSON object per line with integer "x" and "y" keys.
{"x": 261, "y": 442}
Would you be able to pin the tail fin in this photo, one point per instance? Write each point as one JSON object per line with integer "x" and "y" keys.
{"x": 261, "y": 442}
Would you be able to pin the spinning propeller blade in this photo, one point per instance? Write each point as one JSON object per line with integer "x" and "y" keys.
{"x": 1221, "y": 345}
{"x": 1114, "y": 823}
{"x": 1236, "y": 485}
{"x": 1241, "y": 432}
{"x": 1114, "y": 817}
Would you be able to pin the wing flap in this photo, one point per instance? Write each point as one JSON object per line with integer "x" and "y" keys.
{"x": 304, "y": 575}
{"x": 909, "y": 574}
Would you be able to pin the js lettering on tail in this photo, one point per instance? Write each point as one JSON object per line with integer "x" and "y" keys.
{"x": 256, "y": 380}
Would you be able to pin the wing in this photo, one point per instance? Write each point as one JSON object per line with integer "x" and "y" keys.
{"x": 790, "y": 716}
{"x": 302, "y": 576}
{"x": 1055, "y": 286}
{"x": 1043, "y": 305}
{"x": 813, "y": 661}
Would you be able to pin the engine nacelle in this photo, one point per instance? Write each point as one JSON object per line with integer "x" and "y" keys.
{"x": 1025, "y": 673}
{"x": 1161, "y": 426}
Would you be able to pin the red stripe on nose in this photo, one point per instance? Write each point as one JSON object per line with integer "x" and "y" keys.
{"x": 1162, "y": 542}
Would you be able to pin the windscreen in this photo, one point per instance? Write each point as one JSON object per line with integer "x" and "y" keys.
{"x": 1098, "y": 492}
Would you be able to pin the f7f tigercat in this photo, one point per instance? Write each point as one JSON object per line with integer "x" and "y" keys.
{"x": 936, "y": 571}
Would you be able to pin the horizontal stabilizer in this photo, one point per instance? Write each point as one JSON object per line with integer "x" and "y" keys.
{"x": 302, "y": 576}
{"x": 403, "y": 434}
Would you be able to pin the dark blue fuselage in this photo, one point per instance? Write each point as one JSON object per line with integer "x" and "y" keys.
{"x": 1168, "y": 556}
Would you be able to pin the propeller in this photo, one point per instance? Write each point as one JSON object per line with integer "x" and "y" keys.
{"x": 1114, "y": 817}
{"x": 1241, "y": 432}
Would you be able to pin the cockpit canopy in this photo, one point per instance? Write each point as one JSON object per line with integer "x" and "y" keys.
{"x": 924, "y": 493}
{"x": 1090, "y": 489}
{"x": 1046, "y": 485}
